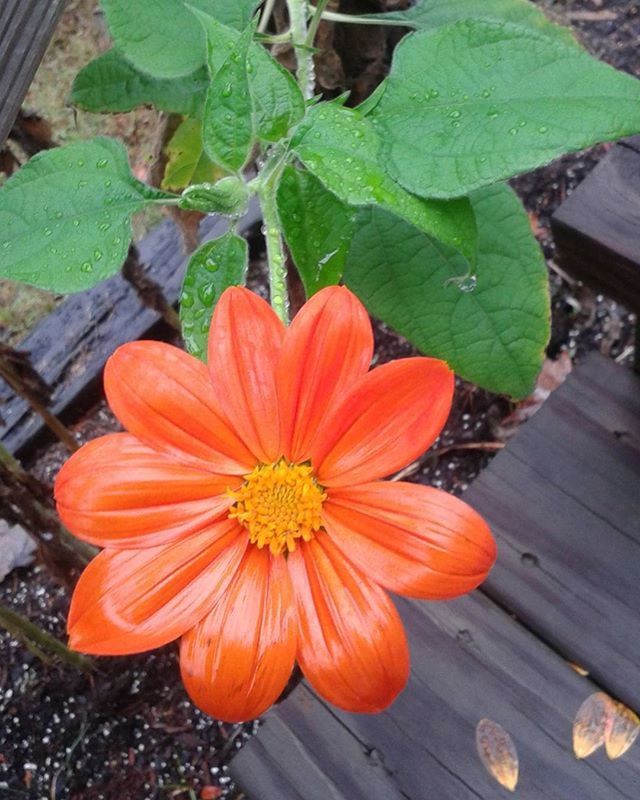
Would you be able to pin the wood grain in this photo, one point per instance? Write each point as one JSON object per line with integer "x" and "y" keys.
{"x": 597, "y": 228}
{"x": 26, "y": 27}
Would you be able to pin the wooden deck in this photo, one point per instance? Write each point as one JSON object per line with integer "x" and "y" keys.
{"x": 26, "y": 27}
{"x": 564, "y": 504}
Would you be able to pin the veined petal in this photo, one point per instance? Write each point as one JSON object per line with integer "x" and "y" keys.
{"x": 327, "y": 347}
{"x": 164, "y": 397}
{"x": 119, "y": 493}
{"x": 237, "y": 660}
{"x": 391, "y": 416}
{"x": 352, "y": 646}
{"x": 244, "y": 343}
{"x": 129, "y": 601}
{"x": 411, "y": 539}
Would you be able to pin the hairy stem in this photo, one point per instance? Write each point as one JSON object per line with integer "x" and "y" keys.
{"x": 275, "y": 247}
{"x": 298, "y": 15}
{"x": 39, "y": 641}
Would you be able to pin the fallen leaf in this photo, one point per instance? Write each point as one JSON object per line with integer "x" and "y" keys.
{"x": 498, "y": 753}
{"x": 17, "y": 548}
{"x": 622, "y": 731}
{"x": 552, "y": 375}
{"x": 590, "y": 724}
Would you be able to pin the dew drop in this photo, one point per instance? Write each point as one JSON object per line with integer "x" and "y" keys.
{"x": 104, "y": 227}
{"x": 486, "y": 93}
{"x": 97, "y": 254}
{"x": 204, "y": 328}
{"x": 186, "y": 300}
{"x": 227, "y": 91}
{"x": 543, "y": 129}
{"x": 81, "y": 162}
{"x": 86, "y": 266}
{"x": 513, "y": 131}
{"x": 455, "y": 114}
{"x": 493, "y": 114}
{"x": 48, "y": 231}
{"x": 6, "y": 245}
{"x": 107, "y": 184}
{"x": 76, "y": 223}
{"x": 207, "y": 293}
{"x": 102, "y": 163}
{"x": 211, "y": 265}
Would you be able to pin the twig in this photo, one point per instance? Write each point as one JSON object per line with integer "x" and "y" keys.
{"x": 39, "y": 641}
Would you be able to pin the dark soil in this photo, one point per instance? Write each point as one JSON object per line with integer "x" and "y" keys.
{"x": 127, "y": 731}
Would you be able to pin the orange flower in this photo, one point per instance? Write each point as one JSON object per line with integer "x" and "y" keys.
{"x": 243, "y": 510}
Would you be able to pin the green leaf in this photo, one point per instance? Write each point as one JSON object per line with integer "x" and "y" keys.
{"x": 317, "y": 226}
{"x": 65, "y": 217}
{"x": 228, "y": 115}
{"x": 477, "y": 102}
{"x": 494, "y": 335}
{"x": 187, "y": 162}
{"x": 229, "y": 197}
{"x": 110, "y": 84}
{"x": 162, "y": 37}
{"x": 213, "y": 267}
{"x": 277, "y": 101}
{"x": 344, "y": 151}
{"x": 436, "y": 13}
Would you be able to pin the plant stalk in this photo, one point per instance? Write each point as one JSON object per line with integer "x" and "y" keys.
{"x": 316, "y": 19}
{"x": 275, "y": 246}
{"x": 298, "y": 15}
{"x": 267, "y": 11}
{"x": 39, "y": 641}
{"x": 359, "y": 19}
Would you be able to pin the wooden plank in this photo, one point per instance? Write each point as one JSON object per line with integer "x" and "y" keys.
{"x": 597, "y": 228}
{"x": 26, "y": 27}
{"x": 70, "y": 346}
{"x": 469, "y": 660}
{"x": 564, "y": 504}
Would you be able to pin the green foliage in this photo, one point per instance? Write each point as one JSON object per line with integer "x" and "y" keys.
{"x": 110, "y": 84}
{"x": 494, "y": 334}
{"x": 436, "y": 13}
{"x": 317, "y": 226}
{"x": 229, "y": 197}
{"x": 344, "y": 151}
{"x": 187, "y": 163}
{"x": 162, "y": 37}
{"x": 476, "y": 102}
{"x": 277, "y": 101}
{"x": 65, "y": 217}
{"x": 227, "y": 130}
{"x": 213, "y": 267}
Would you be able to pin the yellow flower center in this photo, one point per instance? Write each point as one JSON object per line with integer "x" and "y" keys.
{"x": 279, "y": 503}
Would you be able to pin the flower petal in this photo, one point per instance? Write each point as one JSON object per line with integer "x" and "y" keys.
{"x": 129, "y": 601}
{"x": 352, "y": 646}
{"x": 116, "y": 492}
{"x": 392, "y": 415}
{"x": 236, "y": 662}
{"x": 244, "y": 342}
{"x": 164, "y": 397}
{"x": 411, "y": 539}
{"x": 327, "y": 347}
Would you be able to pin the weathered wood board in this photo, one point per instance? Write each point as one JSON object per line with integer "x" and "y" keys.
{"x": 26, "y": 27}
{"x": 469, "y": 660}
{"x": 564, "y": 503}
{"x": 70, "y": 346}
{"x": 597, "y": 228}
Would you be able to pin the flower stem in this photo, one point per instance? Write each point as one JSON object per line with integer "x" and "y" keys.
{"x": 360, "y": 19}
{"x": 315, "y": 22}
{"x": 275, "y": 246}
{"x": 298, "y": 14}
{"x": 39, "y": 641}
